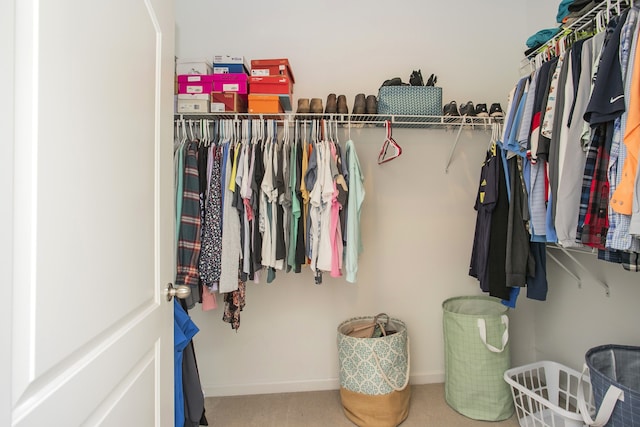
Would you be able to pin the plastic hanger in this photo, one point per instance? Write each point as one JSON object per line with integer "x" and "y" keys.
{"x": 388, "y": 142}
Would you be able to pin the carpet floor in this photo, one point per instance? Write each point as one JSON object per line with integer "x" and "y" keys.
{"x": 323, "y": 409}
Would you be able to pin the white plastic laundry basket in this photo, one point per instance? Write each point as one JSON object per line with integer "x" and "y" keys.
{"x": 545, "y": 394}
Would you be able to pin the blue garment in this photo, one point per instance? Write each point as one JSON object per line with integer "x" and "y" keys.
{"x": 514, "y": 291}
{"x": 541, "y": 37}
{"x": 563, "y": 10}
{"x": 183, "y": 331}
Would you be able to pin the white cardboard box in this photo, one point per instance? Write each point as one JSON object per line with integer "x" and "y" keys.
{"x": 193, "y": 103}
{"x": 194, "y": 66}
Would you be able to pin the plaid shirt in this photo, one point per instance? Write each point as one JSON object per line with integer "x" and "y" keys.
{"x": 593, "y": 216}
{"x": 188, "y": 252}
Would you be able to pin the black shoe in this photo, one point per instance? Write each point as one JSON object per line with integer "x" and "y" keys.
{"x": 467, "y": 109}
{"x": 451, "y": 109}
{"x": 432, "y": 80}
{"x": 416, "y": 78}
{"x": 496, "y": 110}
{"x": 481, "y": 110}
{"x": 396, "y": 81}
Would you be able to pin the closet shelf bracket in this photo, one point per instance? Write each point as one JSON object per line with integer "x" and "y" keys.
{"x": 579, "y": 264}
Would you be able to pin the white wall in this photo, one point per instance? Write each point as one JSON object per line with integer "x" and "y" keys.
{"x": 417, "y": 221}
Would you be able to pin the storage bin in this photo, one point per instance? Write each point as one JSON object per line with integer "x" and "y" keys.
{"x": 545, "y": 394}
{"x": 374, "y": 374}
{"x": 615, "y": 379}
{"x": 476, "y": 346}
{"x": 410, "y": 100}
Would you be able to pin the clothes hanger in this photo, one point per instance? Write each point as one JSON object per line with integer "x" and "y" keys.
{"x": 389, "y": 141}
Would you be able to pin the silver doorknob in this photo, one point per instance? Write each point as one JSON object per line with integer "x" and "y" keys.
{"x": 179, "y": 291}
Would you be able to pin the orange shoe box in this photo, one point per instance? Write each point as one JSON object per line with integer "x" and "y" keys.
{"x": 272, "y": 67}
{"x": 269, "y": 104}
{"x": 270, "y": 84}
{"x": 230, "y": 102}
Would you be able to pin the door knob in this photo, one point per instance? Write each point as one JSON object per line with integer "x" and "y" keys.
{"x": 179, "y": 291}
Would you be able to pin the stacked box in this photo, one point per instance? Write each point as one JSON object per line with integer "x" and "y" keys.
{"x": 195, "y": 83}
{"x": 231, "y": 82}
{"x": 193, "y": 103}
{"x": 270, "y": 77}
{"x": 228, "y": 102}
{"x": 193, "y": 66}
{"x": 225, "y": 64}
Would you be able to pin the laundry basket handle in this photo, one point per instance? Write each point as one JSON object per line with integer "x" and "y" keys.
{"x": 384, "y": 375}
{"x": 606, "y": 407}
{"x": 482, "y": 327}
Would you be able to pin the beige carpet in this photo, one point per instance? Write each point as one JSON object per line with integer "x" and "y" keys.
{"x": 323, "y": 409}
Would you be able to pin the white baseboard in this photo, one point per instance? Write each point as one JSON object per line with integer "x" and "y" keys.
{"x": 299, "y": 386}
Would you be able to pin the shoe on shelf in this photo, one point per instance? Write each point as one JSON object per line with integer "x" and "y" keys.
{"x": 303, "y": 105}
{"x": 467, "y": 109}
{"x": 371, "y": 105}
{"x": 359, "y": 104}
{"x": 481, "y": 110}
{"x": 396, "y": 81}
{"x": 332, "y": 104}
{"x": 450, "y": 109}
{"x": 496, "y": 110}
{"x": 315, "y": 106}
{"x": 416, "y": 78}
{"x": 342, "y": 107}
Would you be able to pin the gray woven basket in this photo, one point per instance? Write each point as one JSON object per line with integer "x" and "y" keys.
{"x": 619, "y": 366}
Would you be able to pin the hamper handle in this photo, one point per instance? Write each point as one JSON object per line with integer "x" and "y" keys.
{"x": 606, "y": 407}
{"x": 384, "y": 375}
{"x": 482, "y": 327}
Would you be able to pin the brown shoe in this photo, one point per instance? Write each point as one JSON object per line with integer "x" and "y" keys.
{"x": 342, "y": 105}
{"x": 332, "y": 104}
{"x": 359, "y": 104}
{"x": 316, "y": 106}
{"x": 303, "y": 105}
{"x": 371, "y": 105}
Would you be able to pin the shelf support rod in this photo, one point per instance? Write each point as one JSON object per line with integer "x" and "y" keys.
{"x": 453, "y": 147}
{"x": 575, "y": 260}
{"x": 564, "y": 267}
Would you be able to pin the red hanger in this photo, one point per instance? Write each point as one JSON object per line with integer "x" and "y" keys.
{"x": 388, "y": 142}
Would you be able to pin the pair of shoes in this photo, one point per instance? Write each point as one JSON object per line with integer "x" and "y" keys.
{"x": 450, "y": 109}
{"x": 365, "y": 105}
{"x": 467, "y": 109}
{"x": 494, "y": 111}
{"x": 336, "y": 104}
{"x": 306, "y": 106}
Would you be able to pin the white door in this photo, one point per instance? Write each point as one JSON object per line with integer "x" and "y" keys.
{"x": 90, "y": 213}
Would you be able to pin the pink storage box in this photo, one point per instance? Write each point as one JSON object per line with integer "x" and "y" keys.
{"x": 231, "y": 82}
{"x": 195, "y": 83}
